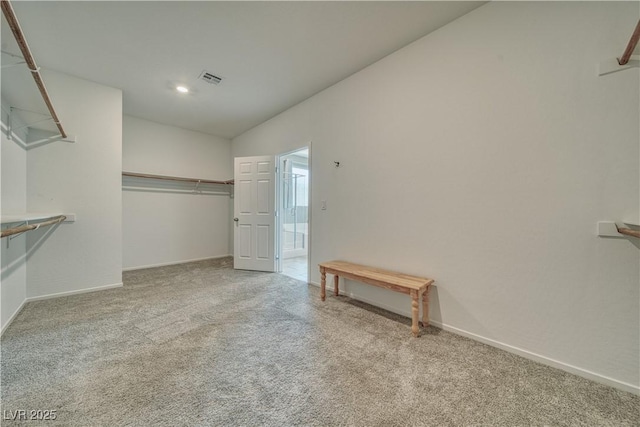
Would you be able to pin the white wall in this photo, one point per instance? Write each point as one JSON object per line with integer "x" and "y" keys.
{"x": 163, "y": 227}
{"x": 483, "y": 155}
{"x": 81, "y": 178}
{"x": 13, "y": 183}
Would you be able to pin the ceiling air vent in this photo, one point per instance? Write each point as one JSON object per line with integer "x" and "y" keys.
{"x": 210, "y": 78}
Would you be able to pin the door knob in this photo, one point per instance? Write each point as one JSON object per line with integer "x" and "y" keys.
{"x": 236, "y": 219}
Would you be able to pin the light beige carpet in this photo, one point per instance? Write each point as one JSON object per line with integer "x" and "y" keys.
{"x": 200, "y": 344}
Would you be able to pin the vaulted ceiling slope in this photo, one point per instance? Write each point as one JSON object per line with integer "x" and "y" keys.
{"x": 270, "y": 55}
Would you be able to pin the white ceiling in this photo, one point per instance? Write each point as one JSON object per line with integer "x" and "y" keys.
{"x": 271, "y": 55}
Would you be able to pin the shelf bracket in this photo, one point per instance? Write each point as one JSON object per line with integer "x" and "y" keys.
{"x": 69, "y": 139}
{"x": 12, "y": 65}
{"x": 11, "y": 128}
{"x": 23, "y": 62}
{"x": 19, "y": 234}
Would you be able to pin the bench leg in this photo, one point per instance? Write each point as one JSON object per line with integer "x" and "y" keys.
{"x": 425, "y": 307}
{"x": 415, "y": 311}
{"x": 336, "y": 278}
{"x": 323, "y": 283}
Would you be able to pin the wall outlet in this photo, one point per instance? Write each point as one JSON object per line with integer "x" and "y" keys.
{"x": 323, "y": 205}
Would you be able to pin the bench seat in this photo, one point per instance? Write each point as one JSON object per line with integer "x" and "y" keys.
{"x": 416, "y": 287}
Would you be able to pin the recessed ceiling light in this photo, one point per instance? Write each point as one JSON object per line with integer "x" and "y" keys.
{"x": 182, "y": 89}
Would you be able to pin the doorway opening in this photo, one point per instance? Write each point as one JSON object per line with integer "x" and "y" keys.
{"x": 293, "y": 205}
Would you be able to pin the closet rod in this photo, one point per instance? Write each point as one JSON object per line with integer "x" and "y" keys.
{"x": 12, "y": 20}
{"x": 23, "y": 228}
{"x": 630, "y": 47}
{"x": 176, "y": 178}
{"x": 628, "y": 232}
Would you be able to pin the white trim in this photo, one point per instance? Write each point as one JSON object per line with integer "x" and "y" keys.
{"x": 309, "y": 208}
{"x": 584, "y": 373}
{"x": 57, "y": 295}
{"x": 543, "y": 359}
{"x": 142, "y": 267}
{"x": 13, "y": 316}
{"x": 79, "y": 291}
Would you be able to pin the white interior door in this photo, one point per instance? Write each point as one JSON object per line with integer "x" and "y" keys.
{"x": 254, "y": 230}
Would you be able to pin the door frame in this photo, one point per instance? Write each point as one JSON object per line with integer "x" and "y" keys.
{"x": 279, "y": 225}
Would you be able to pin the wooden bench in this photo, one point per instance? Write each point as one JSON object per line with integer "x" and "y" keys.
{"x": 417, "y": 287}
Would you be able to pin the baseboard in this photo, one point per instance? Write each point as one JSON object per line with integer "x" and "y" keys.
{"x": 602, "y": 379}
{"x": 13, "y": 316}
{"x": 542, "y": 359}
{"x": 79, "y": 291}
{"x": 164, "y": 264}
{"x": 56, "y": 295}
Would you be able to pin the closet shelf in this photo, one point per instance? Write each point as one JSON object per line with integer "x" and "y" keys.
{"x": 176, "y": 178}
{"x": 41, "y": 220}
{"x": 14, "y": 25}
{"x": 13, "y": 218}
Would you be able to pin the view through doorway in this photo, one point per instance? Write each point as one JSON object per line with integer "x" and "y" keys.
{"x": 293, "y": 205}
